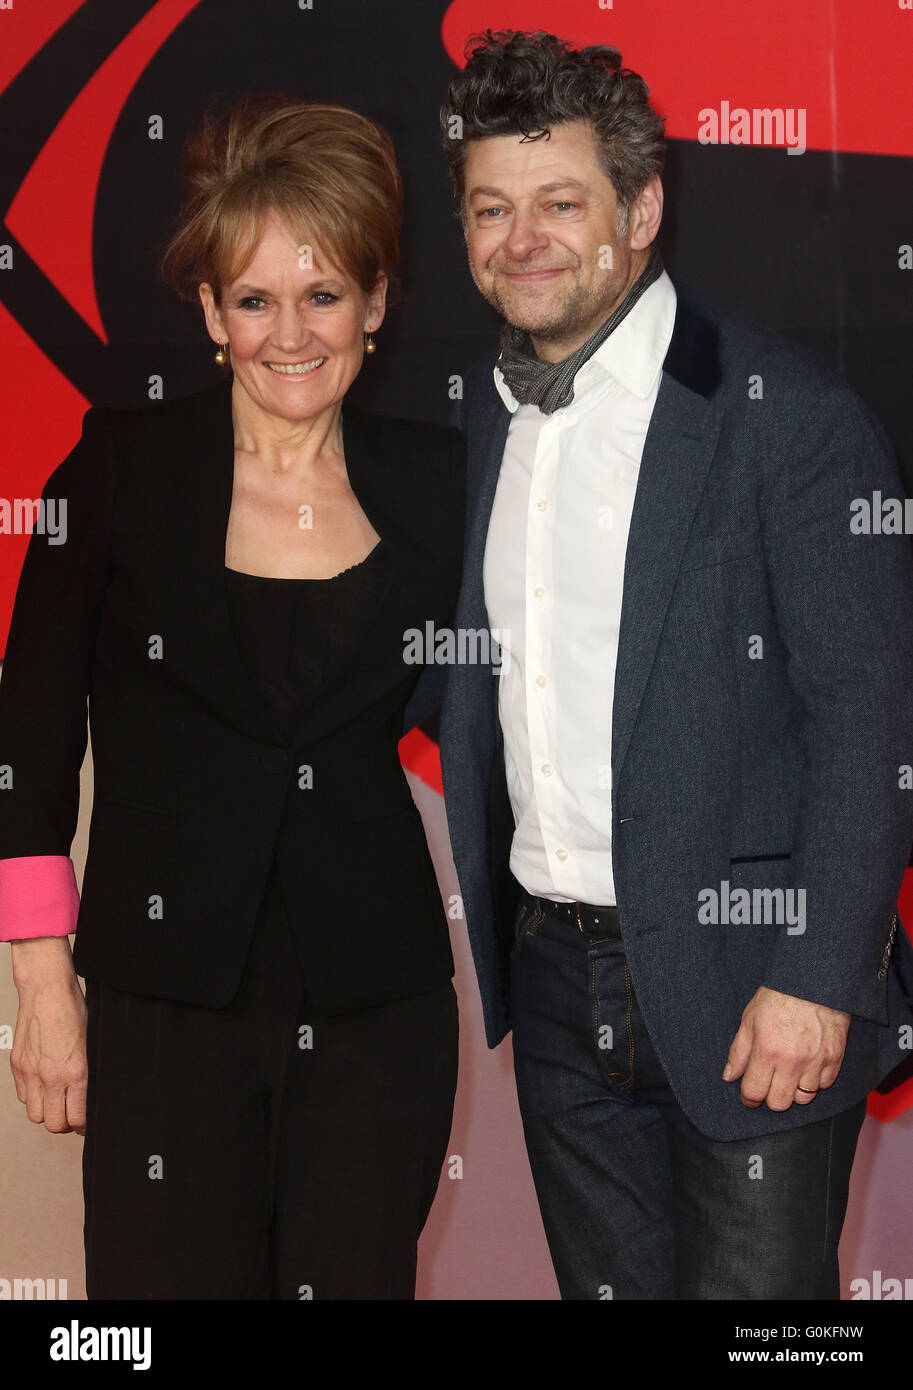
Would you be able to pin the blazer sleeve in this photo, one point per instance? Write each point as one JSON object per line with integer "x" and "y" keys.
{"x": 844, "y": 610}
{"x": 44, "y": 691}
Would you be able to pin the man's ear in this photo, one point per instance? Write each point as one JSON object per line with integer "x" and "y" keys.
{"x": 646, "y": 215}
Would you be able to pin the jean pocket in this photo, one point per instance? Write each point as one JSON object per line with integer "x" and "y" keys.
{"x": 527, "y": 922}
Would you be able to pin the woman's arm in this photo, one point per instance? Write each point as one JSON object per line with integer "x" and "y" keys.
{"x": 44, "y": 691}
{"x": 43, "y": 734}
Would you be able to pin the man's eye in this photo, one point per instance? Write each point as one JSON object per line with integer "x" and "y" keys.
{"x": 484, "y": 212}
{"x": 564, "y": 205}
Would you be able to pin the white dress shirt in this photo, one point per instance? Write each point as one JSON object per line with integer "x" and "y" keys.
{"x": 553, "y": 571}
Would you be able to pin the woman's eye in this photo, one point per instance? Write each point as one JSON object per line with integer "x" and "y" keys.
{"x": 324, "y": 297}
{"x": 250, "y": 301}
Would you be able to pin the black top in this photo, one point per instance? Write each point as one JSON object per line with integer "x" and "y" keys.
{"x": 294, "y": 635}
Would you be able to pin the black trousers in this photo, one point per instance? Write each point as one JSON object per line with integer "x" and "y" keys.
{"x": 263, "y": 1150}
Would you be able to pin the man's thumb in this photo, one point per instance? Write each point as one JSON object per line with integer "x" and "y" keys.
{"x": 739, "y": 1053}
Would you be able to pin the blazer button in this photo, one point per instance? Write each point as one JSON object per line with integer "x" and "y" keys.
{"x": 275, "y": 760}
{"x": 883, "y": 973}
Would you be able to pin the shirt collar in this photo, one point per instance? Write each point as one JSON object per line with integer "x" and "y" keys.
{"x": 633, "y": 353}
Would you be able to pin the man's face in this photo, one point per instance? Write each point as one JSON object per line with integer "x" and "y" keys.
{"x": 541, "y": 225}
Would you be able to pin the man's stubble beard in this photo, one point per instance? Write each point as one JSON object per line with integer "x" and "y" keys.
{"x": 580, "y": 312}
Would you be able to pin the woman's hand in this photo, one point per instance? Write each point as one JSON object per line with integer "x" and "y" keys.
{"x": 48, "y": 1059}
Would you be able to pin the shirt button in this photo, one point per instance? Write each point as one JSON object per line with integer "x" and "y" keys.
{"x": 542, "y": 682}
{"x": 547, "y": 769}
{"x": 561, "y": 854}
{"x": 542, "y": 503}
{"x": 539, "y": 592}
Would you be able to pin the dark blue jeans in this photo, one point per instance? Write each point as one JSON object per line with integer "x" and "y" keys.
{"x": 636, "y": 1202}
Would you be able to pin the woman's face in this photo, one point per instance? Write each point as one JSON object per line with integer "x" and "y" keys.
{"x": 295, "y": 325}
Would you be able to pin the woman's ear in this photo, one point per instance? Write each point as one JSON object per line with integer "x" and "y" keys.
{"x": 214, "y": 325}
{"x": 376, "y": 306}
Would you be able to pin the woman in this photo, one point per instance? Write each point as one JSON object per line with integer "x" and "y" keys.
{"x": 271, "y": 1025}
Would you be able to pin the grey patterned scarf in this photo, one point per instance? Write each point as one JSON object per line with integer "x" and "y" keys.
{"x": 550, "y": 385}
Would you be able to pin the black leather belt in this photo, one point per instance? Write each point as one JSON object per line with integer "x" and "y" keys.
{"x": 595, "y": 923}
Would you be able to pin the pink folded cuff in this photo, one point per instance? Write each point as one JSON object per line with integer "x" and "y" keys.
{"x": 38, "y": 897}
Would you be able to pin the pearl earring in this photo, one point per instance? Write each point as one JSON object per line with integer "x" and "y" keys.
{"x": 222, "y": 354}
{"x": 370, "y": 345}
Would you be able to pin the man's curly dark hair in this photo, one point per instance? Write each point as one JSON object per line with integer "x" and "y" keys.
{"x": 525, "y": 83}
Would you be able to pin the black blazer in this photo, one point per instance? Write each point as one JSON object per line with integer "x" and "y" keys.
{"x": 196, "y": 790}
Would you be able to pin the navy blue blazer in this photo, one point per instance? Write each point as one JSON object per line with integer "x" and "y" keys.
{"x": 780, "y": 772}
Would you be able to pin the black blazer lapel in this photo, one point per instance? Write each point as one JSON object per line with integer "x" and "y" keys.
{"x": 199, "y": 635}
{"x": 678, "y": 450}
{"x": 474, "y": 688}
{"x": 200, "y": 629}
{"x": 487, "y": 436}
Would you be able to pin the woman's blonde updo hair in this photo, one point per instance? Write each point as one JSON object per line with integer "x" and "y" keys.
{"x": 330, "y": 173}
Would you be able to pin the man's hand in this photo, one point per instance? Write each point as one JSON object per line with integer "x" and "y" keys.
{"x": 786, "y": 1050}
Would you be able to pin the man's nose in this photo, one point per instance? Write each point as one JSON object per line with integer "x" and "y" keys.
{"x": 524, "y": 236}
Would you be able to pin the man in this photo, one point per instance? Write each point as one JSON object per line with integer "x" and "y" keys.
{"x": 678, "y": 815}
